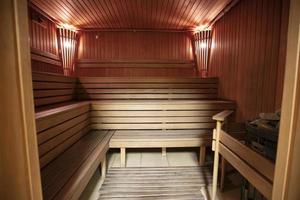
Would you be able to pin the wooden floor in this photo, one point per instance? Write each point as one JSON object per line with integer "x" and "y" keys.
{"x": 166, "y": 183}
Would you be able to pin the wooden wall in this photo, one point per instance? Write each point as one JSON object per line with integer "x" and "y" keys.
{"x": 140, "y": 53}
{"x": 43, "y": 43}
{"x": 248, "y": 53}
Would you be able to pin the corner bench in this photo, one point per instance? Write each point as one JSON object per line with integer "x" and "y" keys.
{"x": 70, "y": 152}
{"x": 78, "y": 120}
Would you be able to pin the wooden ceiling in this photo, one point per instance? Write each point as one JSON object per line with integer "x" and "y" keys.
{"x": 132, "y": 14}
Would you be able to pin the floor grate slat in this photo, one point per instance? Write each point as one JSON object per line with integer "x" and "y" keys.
{"x": 155, "y": 183}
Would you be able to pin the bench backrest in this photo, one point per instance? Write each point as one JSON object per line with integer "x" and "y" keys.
{"x": 117, "y": 88}
{"x": 50, "y": 89}
{"x": 171, "y": 114}
{"x": 58, "y": 129}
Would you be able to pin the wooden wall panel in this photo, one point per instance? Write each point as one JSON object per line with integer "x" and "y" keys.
{"x": 124, "y": 53}
{"x": 43, "y": 43}
{"x": 245, "y": 55}
{"x": 133, "y": 14}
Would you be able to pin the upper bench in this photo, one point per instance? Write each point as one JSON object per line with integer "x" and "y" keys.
{"x": 119, "y": 88}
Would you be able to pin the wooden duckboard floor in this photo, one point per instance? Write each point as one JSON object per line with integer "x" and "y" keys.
{"x": 168, "y": 183}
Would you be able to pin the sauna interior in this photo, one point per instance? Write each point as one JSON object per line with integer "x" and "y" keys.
{"x": 149, "y": 99}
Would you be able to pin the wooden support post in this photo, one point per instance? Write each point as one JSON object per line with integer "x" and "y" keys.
{"x": 123, "y": 157}
{"x": 103, "y": 168}
{"x": 223, "y": 170}
{"x": 164, "y": 151}
{"x": 202, "y": 155}
{"x": 216, "y": 161}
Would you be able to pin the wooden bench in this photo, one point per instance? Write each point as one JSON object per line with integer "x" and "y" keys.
{"x": 69, "y": 150}
{"x": 114, "y": 88}
{"x": 160, "y": 124}
{"x": 51, "y": 90}
{"x": 154, "y": 112}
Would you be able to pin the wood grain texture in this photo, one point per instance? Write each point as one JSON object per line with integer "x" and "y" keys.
{"x": 245, "y": 56}
{"x": 93, "y": 88}
{"x": 19, "y": 168}
{"x": 141, "y": 53}
{"x": 118, "y": 14}
{"x": 43, "y": 43}
{"x": 67, "y": 176}
{"x": 50, "y": 89}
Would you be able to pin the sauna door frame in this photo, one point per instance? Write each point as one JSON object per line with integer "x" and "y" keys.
{"x": 19, "y": 161}
{"x": 287, "y": 168}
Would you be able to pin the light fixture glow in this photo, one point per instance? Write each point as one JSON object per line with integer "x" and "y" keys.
{"x": 68, "y": 27}
{"x": 202, "y": 27}
{"x": 67, "y": 44}
{"x": 203, "y": 45}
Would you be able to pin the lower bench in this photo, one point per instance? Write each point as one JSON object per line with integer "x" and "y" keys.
{"x": 67, "y": 175}
{"x": 160, "y": 139}
{"x": 158, "y": 123}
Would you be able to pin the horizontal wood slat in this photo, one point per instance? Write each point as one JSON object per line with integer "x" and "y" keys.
{"x": 142, "y": 113}
{"x": 133, "y": 65}
{"x": 258, "y": 181}
{"x": 50, "y": 89}
{"x": 45, "y": 77}
{"x": 96, "y": 88}
{"x": 258, "y": 162}
{"x": 59, "y": 128}
{"x": 147, "y": 85}
{"x": 53, "y": 117}
{"x": 67, "y": 176}
{"x": 155, "y": 183}
{"x": 162, "y": 105}
{"x": 149, "y": 119}
{"x": 147, "y": 96}
{"x": 114, "y": 80}
{"x": 154, "y": 126}
{"x": 147, "y": 91}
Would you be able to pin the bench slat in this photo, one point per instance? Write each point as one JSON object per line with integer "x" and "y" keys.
{"x": 149, "y": 119}
{"x": 142, "y": 113}
{"x": 147, "y": 86}
{"x": 57, "y": 174}
{"x": 133, "y": 126}
{"x": 147, "y": 96}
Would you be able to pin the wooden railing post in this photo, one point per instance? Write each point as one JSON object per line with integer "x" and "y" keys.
{"x": 220, "y": 118}
{"x": 216, "y": 158}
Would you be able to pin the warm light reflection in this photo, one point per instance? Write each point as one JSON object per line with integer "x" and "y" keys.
{"x": 200, "y": 28}
{"x": 68, "y": 27}
{"x": 67, "y": 44}
{"x": 203, "y": 45}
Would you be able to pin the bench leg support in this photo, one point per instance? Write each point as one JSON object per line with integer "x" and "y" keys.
{"x": 202, "y": 155}
{"x": 223, "y": 171}
{"x": 103, "y": 168}
{"x": 164, "y": 151}
{"x": 123, "y": 157}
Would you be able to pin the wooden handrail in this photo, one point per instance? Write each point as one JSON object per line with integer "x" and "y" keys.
{"x": 222, "y": 115}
